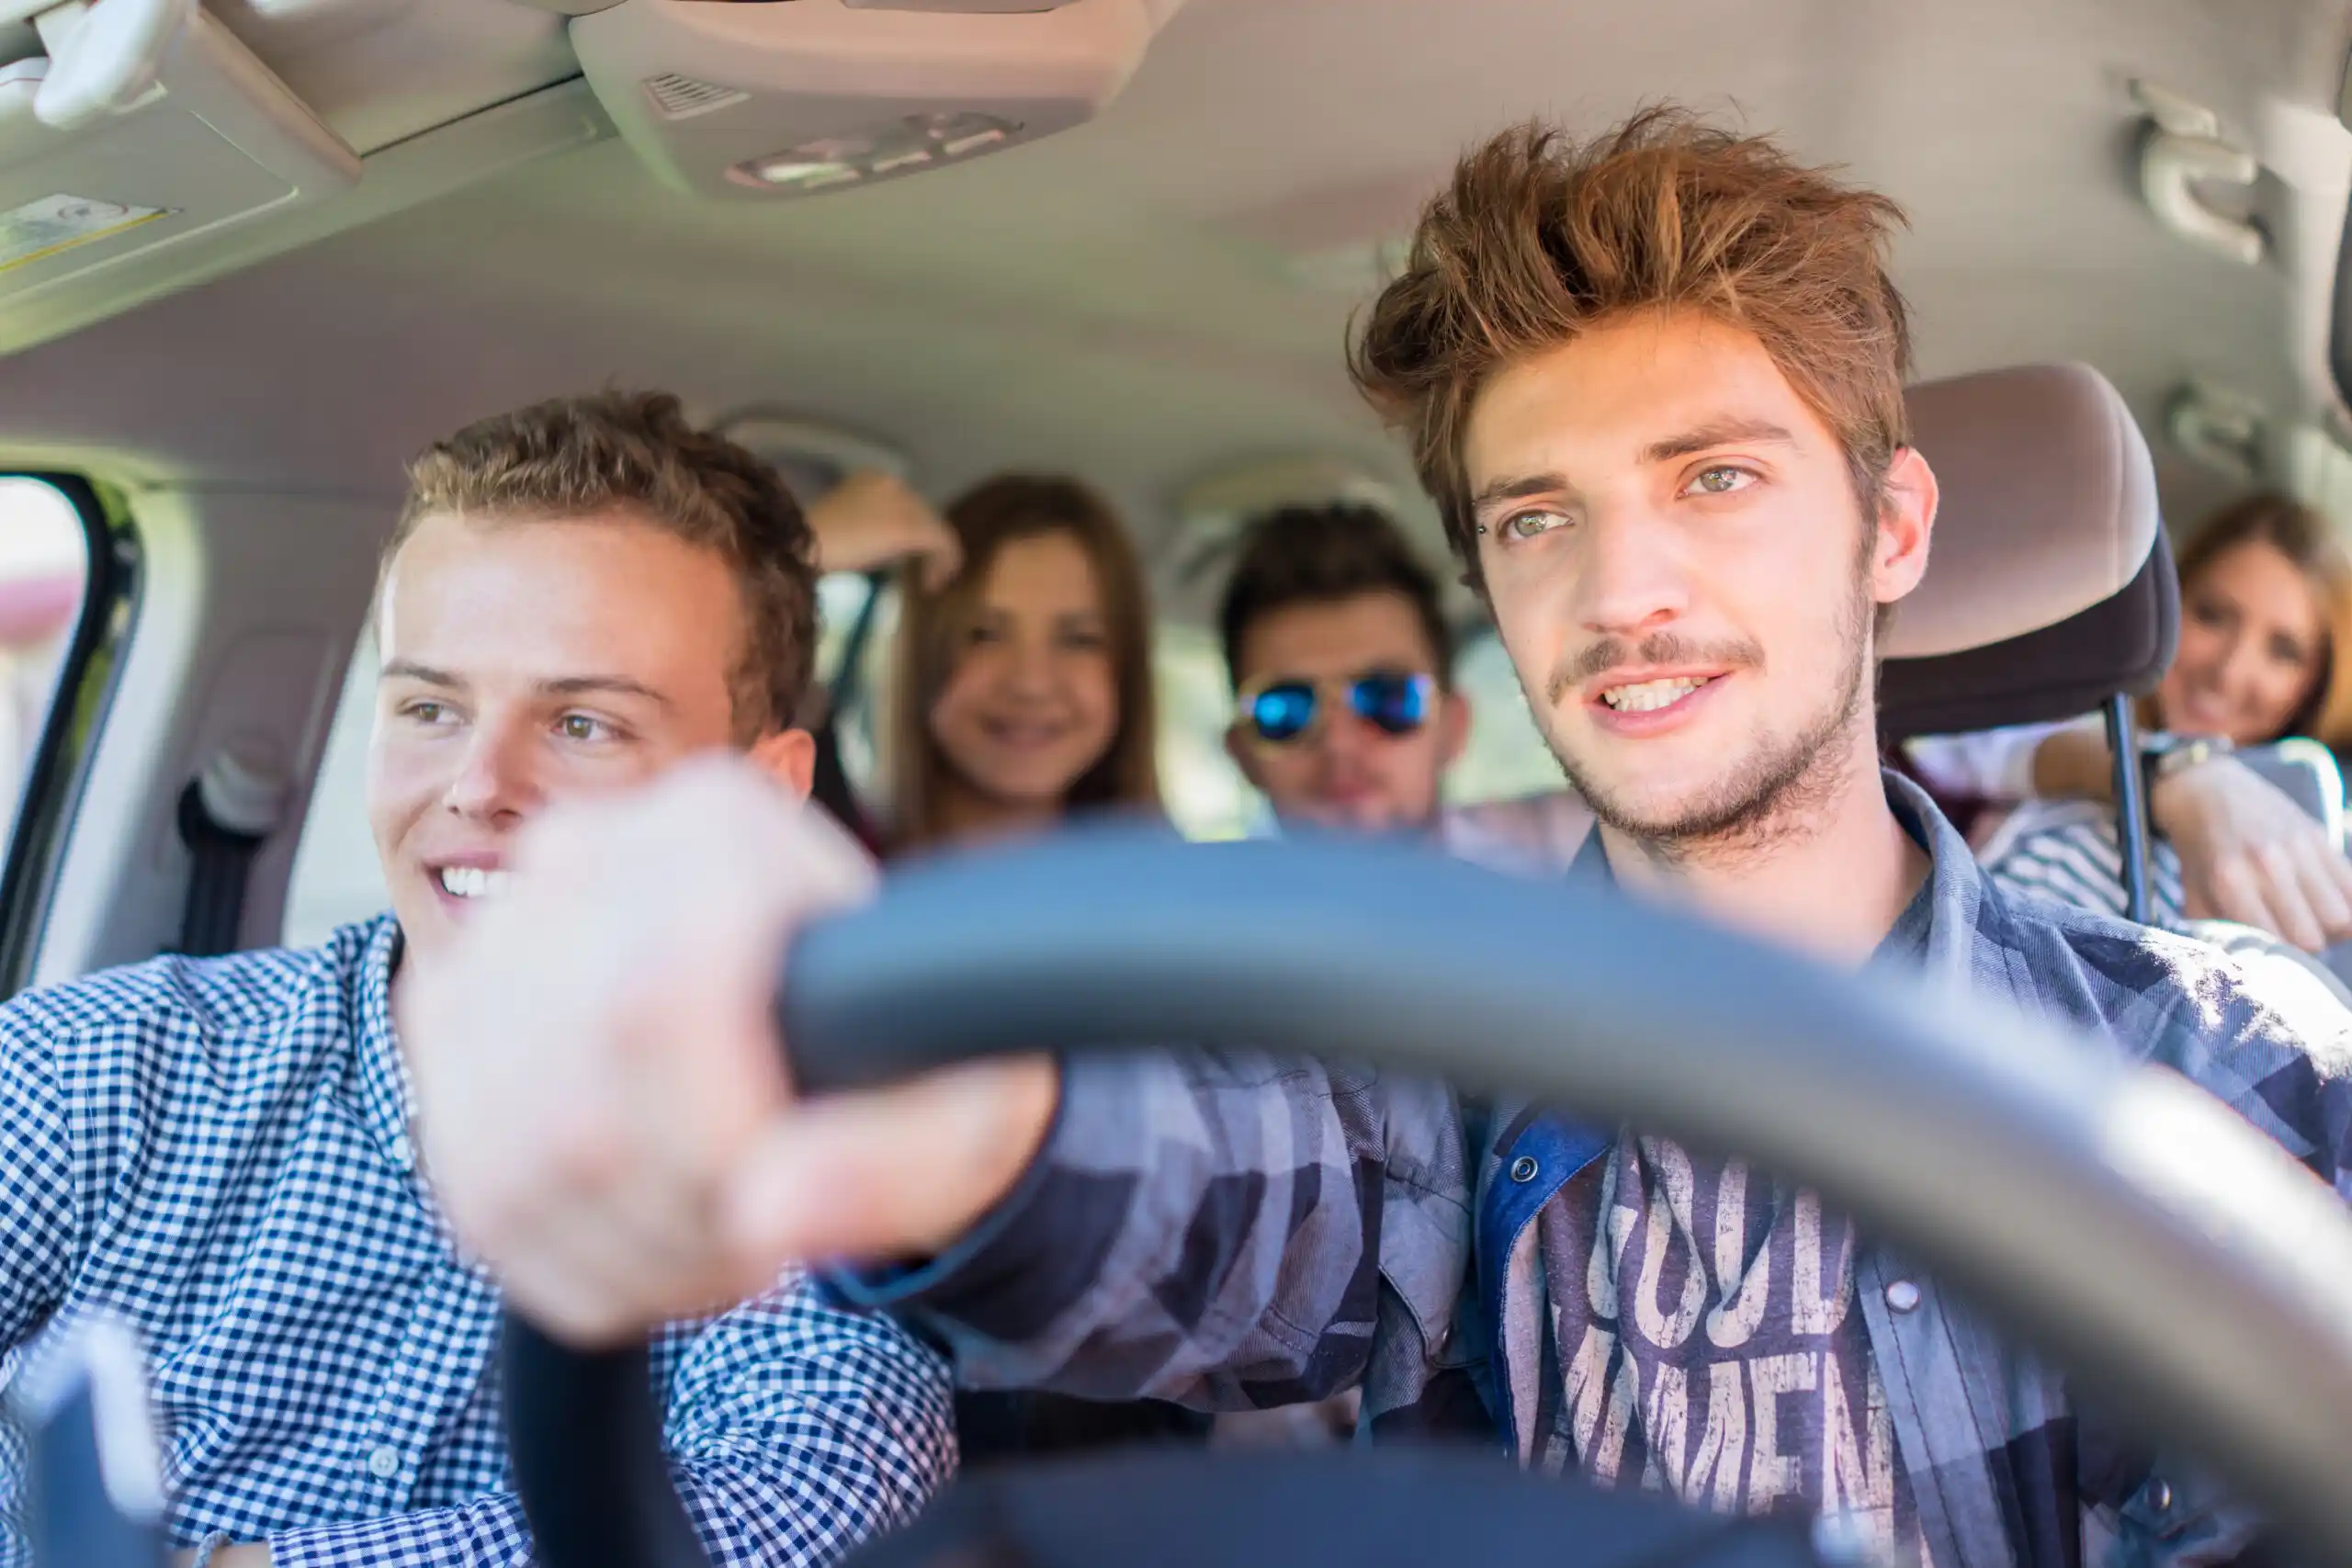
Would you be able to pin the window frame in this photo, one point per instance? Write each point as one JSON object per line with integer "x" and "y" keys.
{"x": 58, "y": 764}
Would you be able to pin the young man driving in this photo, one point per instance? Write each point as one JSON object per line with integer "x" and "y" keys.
{"x": 1656, "y": 383}
{"x": 578, "y": 595}
{"x": 1347, "y": 715}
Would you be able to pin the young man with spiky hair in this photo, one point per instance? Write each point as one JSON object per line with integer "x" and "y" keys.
{"x": 1655, "y": 382}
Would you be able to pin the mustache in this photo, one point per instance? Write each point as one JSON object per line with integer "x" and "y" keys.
{"x": 1659, "y": 647}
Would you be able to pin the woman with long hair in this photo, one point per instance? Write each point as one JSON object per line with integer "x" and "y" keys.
{"x": 1022, "y": 697}
{"x": 2265, "y": 654}
{"x": 1023, "y": 693}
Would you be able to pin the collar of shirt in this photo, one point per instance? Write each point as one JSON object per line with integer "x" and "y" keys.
{"x": 386, "y": 1099}
{"x": 1954, "y": 890}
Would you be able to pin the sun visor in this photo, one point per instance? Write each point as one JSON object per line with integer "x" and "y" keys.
{"x": 130, "y": 125}
{"x": 770, "y": 99}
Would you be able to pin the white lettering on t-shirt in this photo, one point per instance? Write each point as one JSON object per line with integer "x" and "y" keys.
{"x": 1771, "y": 1475}
{"x": 1732, "y": 1324}
{"x": 1814, "y": 1312}
{"x": 1670, "y": 1202}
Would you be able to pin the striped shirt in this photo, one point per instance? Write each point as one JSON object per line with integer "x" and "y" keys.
{"x": 2068, "y": 851}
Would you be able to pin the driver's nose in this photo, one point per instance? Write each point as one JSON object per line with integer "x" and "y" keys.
{"x": 1629, "y": 576}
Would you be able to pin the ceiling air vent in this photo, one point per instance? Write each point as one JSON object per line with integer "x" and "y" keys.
{"x": 683, "y": 98}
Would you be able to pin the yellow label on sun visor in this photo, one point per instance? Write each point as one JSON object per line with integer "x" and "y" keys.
{"x": 54, "y": 223}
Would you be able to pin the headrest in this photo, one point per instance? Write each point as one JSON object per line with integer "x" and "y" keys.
{"x": 2049, "y": 505}
{"x": 2049, "y": 586}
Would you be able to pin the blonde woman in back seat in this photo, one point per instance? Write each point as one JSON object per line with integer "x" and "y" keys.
{"x": 2265, "y": 635}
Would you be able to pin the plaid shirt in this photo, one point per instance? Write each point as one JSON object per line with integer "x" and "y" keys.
{"x": 217, "y": 1152}
{"x": 1232, "y": 1231}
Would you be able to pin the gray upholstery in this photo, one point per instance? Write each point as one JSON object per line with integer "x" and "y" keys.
{"x": 2309, "y": 773}
{"x": 2049, "y": 505}
{"x": 2050, "y": 587}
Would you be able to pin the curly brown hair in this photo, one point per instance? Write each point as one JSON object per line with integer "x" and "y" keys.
{"x": 1539, "y": 239}
{"x": 635, "y": 455}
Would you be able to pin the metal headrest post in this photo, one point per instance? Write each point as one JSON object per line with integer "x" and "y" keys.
{"x": 2130, "y": 807}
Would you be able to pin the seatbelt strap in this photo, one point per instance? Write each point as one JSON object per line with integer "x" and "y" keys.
{"x": 226, "y": 814}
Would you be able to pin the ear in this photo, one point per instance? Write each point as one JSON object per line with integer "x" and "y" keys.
{"x": 1453, "y": 727}
{"x": 789, "y": 756}
{"x": 1906, "y": 521}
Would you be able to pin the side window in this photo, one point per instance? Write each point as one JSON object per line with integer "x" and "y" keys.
{"x": 1507, "y": 757}
{"x": 855, "y": 609}
{"x": 336, "y": 878}
{"x": 44, "y": 573}
{"x": 1206, "y": 793}
{"x": 63, "y": 576}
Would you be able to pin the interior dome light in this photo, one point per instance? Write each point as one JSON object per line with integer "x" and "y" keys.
{"x": 799, "y": 173}
{"x": 877, "y": 153}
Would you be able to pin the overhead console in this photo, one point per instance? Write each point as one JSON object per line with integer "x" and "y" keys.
{"x": 772, "y": 99}
{"x": 145, "y": 147}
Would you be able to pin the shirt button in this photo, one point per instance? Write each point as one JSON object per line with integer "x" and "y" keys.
{"x": 1523, "y": 1168}
{"x": 385, "y": 1462}
{"x": 1902, "y": 1296}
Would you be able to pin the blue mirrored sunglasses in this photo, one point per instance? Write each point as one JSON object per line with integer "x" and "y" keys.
{"x": 1280, "y": 711}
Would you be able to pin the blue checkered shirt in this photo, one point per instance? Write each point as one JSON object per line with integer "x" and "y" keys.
{"x": 217, "y": 1153}
{"x": 1236, "y": 1232}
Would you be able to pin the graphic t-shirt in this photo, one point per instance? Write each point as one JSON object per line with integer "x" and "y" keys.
{"x": 1708, "y": 1342}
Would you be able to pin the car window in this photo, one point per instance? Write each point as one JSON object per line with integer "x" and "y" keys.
{"x": 63, "y": 574}
{"x": 1507, "y": 757}
{"x": 1205, "y": 794}
{"x": 44, "y": 573}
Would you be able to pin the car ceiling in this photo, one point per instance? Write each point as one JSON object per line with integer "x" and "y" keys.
{"x": 1126, "y": 301}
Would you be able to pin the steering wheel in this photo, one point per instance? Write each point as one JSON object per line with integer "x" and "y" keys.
{"x": 2174, "y": 1259}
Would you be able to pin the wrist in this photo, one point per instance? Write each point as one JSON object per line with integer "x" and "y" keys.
{"x": 2169, "y": 761}
{"x": 1004, "y": 1144}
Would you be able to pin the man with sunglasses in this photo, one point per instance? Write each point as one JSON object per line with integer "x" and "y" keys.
{"x": 1346, "y": 715}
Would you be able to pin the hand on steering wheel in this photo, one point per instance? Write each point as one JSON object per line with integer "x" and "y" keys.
{"x": 664, "y": 1168}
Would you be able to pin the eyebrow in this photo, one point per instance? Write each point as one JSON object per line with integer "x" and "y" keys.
{"x": 561, "y": 686}
{"x": 1704, "y": 438}
{"x": 1518, "y": 489}
{"x": 1720, "y": 433}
